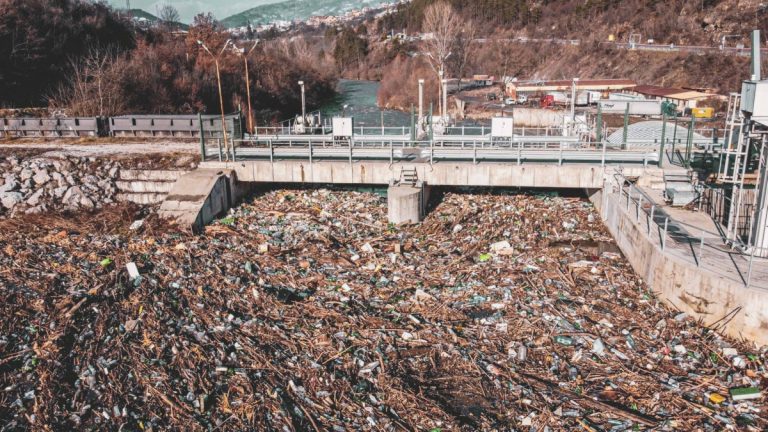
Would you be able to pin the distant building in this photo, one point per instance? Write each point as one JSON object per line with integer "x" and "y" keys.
{"x": 683, "y": 98}
{"x": 602, "y": 85}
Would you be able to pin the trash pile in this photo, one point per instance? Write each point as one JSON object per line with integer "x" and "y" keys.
{"x": 305, "y": 310}
{"x": 41, "y": 184}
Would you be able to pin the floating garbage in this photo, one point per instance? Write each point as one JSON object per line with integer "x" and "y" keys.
{"x": 291, "y": 314}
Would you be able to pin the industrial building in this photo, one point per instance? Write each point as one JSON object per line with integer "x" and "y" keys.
{"x": 683, "y": 98}
{"x": 605, "y": 86}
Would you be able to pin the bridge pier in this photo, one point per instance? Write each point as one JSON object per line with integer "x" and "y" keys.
{"x": 407, "y": 203}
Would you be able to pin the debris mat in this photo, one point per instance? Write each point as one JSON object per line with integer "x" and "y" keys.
{"x": 307, "y": 311}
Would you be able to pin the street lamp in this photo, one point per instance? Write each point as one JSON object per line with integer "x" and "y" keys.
{"x": 303, "y": 104}
{"x": 218, "y": 79}
{"x": 440, "y": 90}
{"x": 445, "y": 100}
{"x": 244, "y": 54}
{"x": 421, "y": 99}
{"x": 573, "y": 100}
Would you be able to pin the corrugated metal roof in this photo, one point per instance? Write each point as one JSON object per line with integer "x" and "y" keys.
{"x": 670, "y": 92}
{"x": 652, "y": 90}
{"x": 582, "y": 83}
{"x": 648, "y": 133}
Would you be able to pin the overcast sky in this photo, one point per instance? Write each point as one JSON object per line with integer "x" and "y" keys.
{"x": 189, "y": 8}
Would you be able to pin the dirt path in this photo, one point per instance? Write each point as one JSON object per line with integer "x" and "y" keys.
{"x": 95, "y": 149}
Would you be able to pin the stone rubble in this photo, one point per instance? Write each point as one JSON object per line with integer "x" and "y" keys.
{"x": 41, "y": 184}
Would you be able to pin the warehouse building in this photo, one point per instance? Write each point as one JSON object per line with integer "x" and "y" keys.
{"x": 513, "y": 88}
{"x": 683, "y": 98}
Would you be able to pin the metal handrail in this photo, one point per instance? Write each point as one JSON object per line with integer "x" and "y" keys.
{"x": 705, "y": 239}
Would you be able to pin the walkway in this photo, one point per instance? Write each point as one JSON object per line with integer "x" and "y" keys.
{"x": 693, "y": 236}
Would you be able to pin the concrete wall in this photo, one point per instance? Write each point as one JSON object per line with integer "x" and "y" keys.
{"x": 199, "y": 196}
{"x": 697, "y": 291}
{"x": 537, "y": 117}
{"x": 439, "y": 174}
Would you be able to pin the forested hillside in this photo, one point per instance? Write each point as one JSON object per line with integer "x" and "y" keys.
{"x": 86, "y": 59}
{"x": 669, "y": 21}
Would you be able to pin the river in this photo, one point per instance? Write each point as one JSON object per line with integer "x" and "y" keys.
{"x": 360, "y": 98}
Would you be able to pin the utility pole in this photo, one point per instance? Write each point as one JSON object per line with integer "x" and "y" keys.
{"x": 244, "y": 54}
{"x": 421, "y": 99}
{"x": 218, "y": 79}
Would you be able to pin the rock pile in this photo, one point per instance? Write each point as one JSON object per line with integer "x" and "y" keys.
{"x": 40, "y": 184}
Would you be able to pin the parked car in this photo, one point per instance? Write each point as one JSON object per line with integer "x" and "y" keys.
{"x": 521, "y": 99}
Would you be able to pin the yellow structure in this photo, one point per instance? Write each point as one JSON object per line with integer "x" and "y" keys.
{"x": 703, "y": 112}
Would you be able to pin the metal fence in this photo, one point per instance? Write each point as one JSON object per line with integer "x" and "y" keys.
{"x": 515, "y": 151}
{"x": 175, "y": 126}
{"x": 183, "y": 126}
{"x": 703, "y": 248}
{"x": 49, "y": 127}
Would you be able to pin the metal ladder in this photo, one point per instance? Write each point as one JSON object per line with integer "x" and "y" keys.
{"x": 409, "y": 176}
{"x": 733, "y": 162}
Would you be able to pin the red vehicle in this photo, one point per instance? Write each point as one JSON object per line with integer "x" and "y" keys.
{"x": 547, "y": 101}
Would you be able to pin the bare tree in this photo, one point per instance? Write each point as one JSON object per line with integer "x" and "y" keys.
{"x": 92, "y": 87}
{"x": 168, "y": 15}
{"x": 463, "y": 48}
{"x": 442, "y": 25}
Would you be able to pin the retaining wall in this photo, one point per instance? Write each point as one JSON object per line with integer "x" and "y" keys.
{"x": 695, "y": 290}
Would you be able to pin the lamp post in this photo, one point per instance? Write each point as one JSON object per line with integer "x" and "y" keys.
{"x": 303, "y": 104}
{"x": 421, "y": 99}
{"x": 573, "y": 103}
{"x": 244, "y": 54}
{"x": 218, "y": 79}
{"x": 445, "y": 100}
{"x": 440, "y": 91}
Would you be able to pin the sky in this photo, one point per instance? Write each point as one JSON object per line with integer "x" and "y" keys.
{"x": 189, "y": 8}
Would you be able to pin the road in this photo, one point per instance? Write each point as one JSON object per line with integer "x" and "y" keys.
{"x": 97, "y": 149}
{"x": 697, "y": 49}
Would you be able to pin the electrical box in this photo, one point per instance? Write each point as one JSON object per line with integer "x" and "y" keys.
{"x": 342, "y": 127}
{"x": 754, "y": 100}
{"x": 502, "y": 127}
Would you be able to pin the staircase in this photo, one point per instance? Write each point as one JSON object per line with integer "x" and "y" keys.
{"x": 408, "y": 176}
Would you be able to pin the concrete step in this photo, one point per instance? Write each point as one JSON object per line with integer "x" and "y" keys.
{"x": 141, "y": 198}
{"x": 151, "y": 175}
{"x": 139, "y": 186}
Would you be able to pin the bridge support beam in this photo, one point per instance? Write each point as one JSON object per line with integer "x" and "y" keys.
{"x": 407, "y": 203}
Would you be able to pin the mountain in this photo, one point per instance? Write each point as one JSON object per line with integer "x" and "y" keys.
{"x": 141, "y": 13}
{"x": 289, "y": 10}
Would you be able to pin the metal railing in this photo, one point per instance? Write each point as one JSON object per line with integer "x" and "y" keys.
{"x": 516, "y": 151}
{"x": 700, "y": 247}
